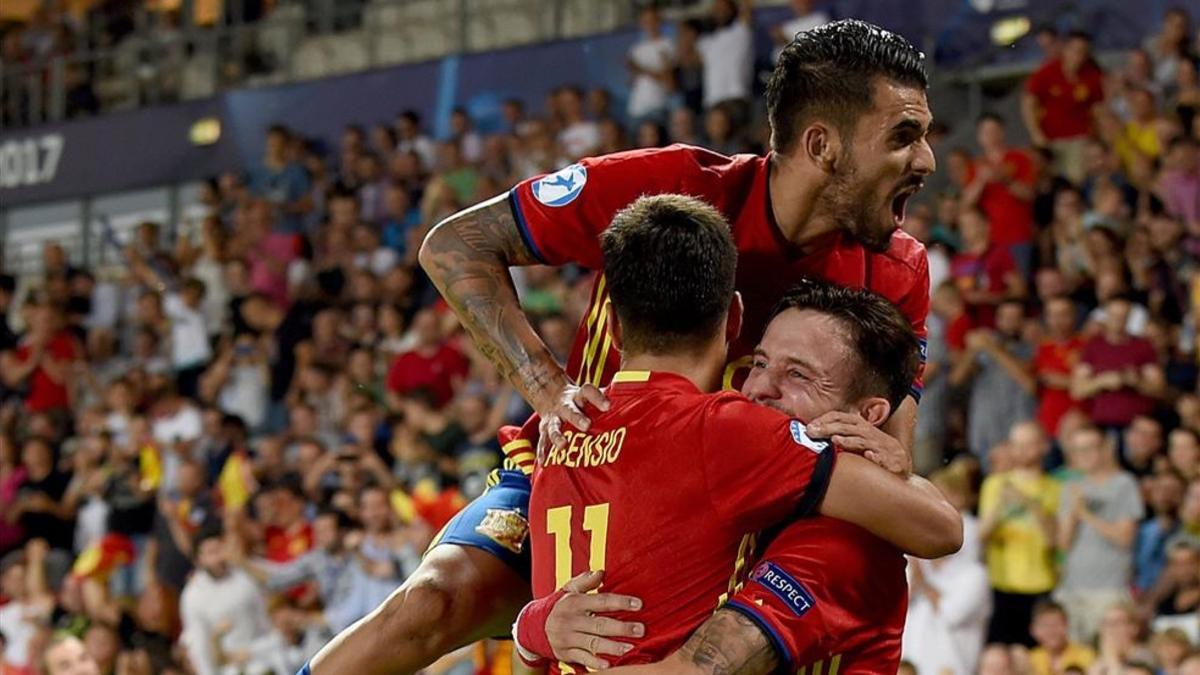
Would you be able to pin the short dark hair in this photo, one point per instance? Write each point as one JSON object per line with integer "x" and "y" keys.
{"x": 989, "y": 117}
{"x": 669, "y": 260}
{"x": 279, "y": 129}
{"x": 888, "y": 351}
{"x": 412, "y": 116}
{"x": 1080, "y": 35}
{"x": 830, "y": 72}
{"x": 1048, "y": 607}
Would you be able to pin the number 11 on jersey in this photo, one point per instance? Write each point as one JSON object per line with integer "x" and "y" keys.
{"x": 595, "y": 523}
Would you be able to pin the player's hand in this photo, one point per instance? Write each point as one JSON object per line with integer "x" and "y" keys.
{"x": 569, "y": 410}
{"x": 854, "y": 434}
{"x": 574, "y": 631}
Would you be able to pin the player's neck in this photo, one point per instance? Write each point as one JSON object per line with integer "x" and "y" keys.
{"x": 703, "y": 370}
{"x": 793, "y": 204}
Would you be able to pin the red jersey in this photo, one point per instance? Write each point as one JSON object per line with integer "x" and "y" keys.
{"x": 561, "y": 216}
{"x": 436, "y": 373}
{"x": 602, "y": 501}
{"x": 44, "y": 393}
{"x": 1011, "y": 217}
{"x": 832, "y": 598}
{"x": 1058, "y": 358}
{"x": 985, "y": 271}
{"x": 1066, "y": 105}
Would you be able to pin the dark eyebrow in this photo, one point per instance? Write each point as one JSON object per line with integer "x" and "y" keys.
{"x": 909, "y": 124}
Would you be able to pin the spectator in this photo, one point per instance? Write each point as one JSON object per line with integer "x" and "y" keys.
{"x": 1179, "y": 182}
{"x": 998, "y": 365}
{"x": 67, "y": 655}
{"x": 1141, "y": 446}
{"x": 1017, "y": 508}
{"x": 1176, "y": 593}
{"x": 950, "y": 598}
{"x": 224, "y": 615}
{"x": 722, "y": 137}
{"x": 579, "y": 136}
{"x": 43, "y": 505}
{"x": 1170, "y": 48}
{"x": 431, "y": 364}
{"x": 1098, "y": 518}
{"x": 947, "y": 308}
{"x": 1057, "y": 106}
{"x": 806, "y": 18}
{"x": 728, "y": 55}
{"x": 1056, "y": 357}
{"x": 651, "y": 63}
{"x": 281, "y": 181}
{"x": 42, "y": 361}
{"x": 985, "y": 273}
{"x": 462, "y": 132}
{"x": 689, "y": 69}
{"x": 1000, "y": 184}
{"x": 1056, "y": 652}
{"x": 1118, "y": 375}
{"x": 411, "y": 139}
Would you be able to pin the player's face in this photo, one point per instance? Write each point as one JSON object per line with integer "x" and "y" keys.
{"x": 799, "y": 367}
{"x": 883, "y": 164}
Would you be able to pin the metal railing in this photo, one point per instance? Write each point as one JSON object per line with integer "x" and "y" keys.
{"x": 298, "y": 40}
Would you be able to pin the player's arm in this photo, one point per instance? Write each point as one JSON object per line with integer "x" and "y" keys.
{"x": 729, "y": 643}
{"x": 910, "y": 514}
{"x": 457, "y": 596}
{"x": 467, "y": 257}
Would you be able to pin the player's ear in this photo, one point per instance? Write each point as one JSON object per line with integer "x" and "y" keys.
{"x": 822, "y": 145}
{"x": 614, "y": 326}
{"x": 875, "y": 410}
{"x": 733, "y": 321}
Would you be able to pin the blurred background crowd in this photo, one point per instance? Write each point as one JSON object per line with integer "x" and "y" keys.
{"x": 242, "y": 442}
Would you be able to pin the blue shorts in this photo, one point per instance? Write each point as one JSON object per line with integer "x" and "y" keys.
{"x": 496, "y": 522}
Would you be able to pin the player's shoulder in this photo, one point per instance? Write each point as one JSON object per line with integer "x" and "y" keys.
{"x": 907, "y": 252}
{"x": 730, "y": 414}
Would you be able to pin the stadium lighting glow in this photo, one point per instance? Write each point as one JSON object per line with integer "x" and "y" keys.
{"x": 1010, "y": 29}
{"x": 205, "y": 131}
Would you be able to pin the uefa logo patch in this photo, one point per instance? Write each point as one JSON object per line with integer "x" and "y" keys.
{"x": 783, "y": 586}
{"x": 560, "y": 188}
{"x": 800, "y": 435}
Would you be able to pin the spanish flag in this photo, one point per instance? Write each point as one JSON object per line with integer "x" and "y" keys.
{"x": 100, "y": 559}
{"x": 436, "y": 507}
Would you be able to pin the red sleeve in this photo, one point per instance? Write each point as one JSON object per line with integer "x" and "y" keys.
{"x": 1095, "y": 84}
{"x": 915, "y": 306}
{"x": 1034, "y": 84}
{"x": 560, "y": 215}
{"x": 1041, "y": 359}
{"x": 760, "y": 467}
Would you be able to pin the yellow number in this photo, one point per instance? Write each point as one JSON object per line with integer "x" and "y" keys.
{"x": 558, "y": 524}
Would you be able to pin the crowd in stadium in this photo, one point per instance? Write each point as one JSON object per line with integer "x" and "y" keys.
{"x": 244, "y": 444}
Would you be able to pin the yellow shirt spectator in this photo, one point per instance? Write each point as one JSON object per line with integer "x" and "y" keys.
{"x": 1077, "y": 656}
{"x": 1020, "y": 557}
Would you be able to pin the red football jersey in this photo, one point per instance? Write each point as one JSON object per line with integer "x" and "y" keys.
{"x": 561, "y": 215}
{"x": 664, "y": 493}
{"x": 831, "y": 596}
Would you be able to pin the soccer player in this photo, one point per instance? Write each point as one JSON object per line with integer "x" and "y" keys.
{"x": 825, "y": 592}
{"x": 849, "y": 117}
{"x": 671, "y": 481}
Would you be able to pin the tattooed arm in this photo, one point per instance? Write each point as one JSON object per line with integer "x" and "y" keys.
{"x": 729, "y": 643}
{"x": 467, "y": 257}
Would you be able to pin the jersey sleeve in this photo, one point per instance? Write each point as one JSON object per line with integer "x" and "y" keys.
{"x": 915, "y": 306}
{"x": 561, "y": 215}
{"x": 761, "y": 467}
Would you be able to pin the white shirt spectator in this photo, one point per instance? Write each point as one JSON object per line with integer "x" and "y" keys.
{"x": 1135, "y": 325}
{"x": 246, "y": 393}
{"x": 19, "y": 628}
{"x": 230, "y": 612}
{"x": 423, "y": 146}
{"x": 215, "y": 305}
{"x": 728, "y": 55}
{"x": 648, "y": 95}
{"x": 580, "y": 139}
{"x": 380, "y": 261}
{"x": 189, "y": 334}
{"x": 947, "y": 639}
{"x": 185, "y": 426}
{"x": 471, "y": 146}
{"x": 799, "y": 24}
